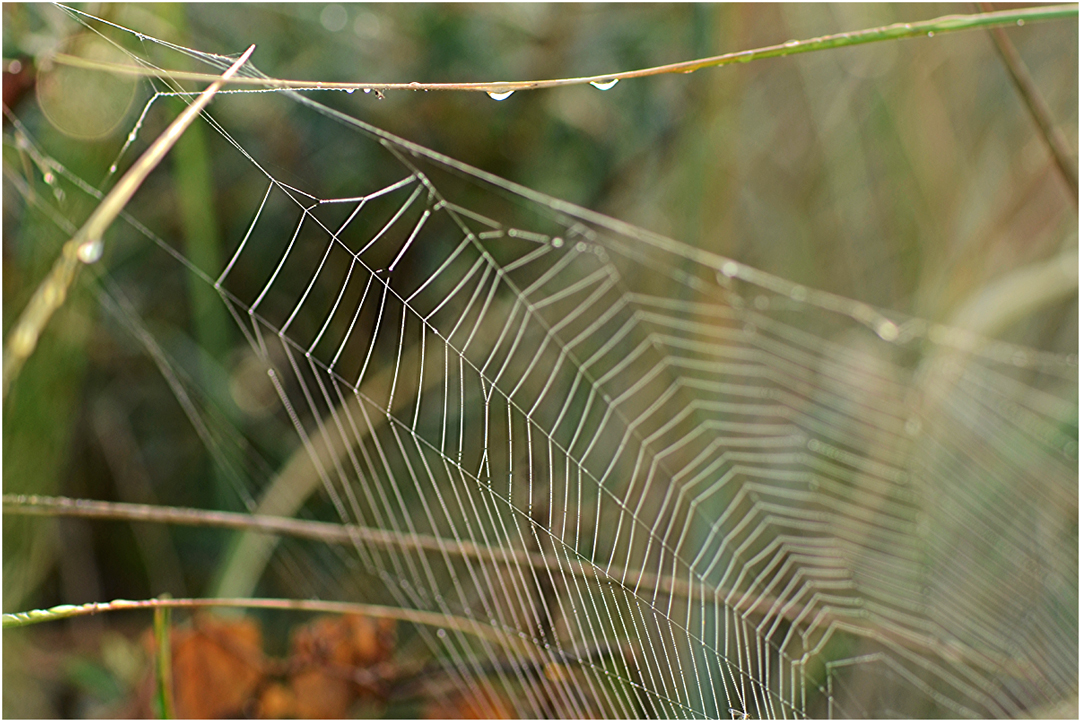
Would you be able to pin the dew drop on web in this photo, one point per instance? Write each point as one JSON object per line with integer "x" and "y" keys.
{"x": 501, "y": 96}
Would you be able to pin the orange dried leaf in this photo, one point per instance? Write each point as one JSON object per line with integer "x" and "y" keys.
{"x": 326, "y": 655}
{"x": 478, "y": 705}
{"x": 276, "y": 702}
{"x": 217, "y": 667}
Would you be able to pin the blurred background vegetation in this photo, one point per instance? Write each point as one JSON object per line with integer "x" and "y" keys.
{"x": 906, "y": 174}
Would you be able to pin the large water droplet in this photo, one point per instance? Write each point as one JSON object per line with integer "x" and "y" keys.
{"x": 604, "y": 84}
{"x": 791, "y": 44}
{"x": 501, "y": 96}
{"x": 350, "y": 91}
{"x": 930, "y": 34}
{"x": 367, "y": 90}
{"x": 1020, "y": 23}
{"x": 887, "y": 330}
{"x": 90, "y": 251}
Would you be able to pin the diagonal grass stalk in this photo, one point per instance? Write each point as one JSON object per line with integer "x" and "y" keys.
{"x": 86, "y": 245}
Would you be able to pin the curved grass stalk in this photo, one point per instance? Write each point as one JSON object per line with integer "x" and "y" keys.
{"x": 1019, "y": 294}
{"x": 896, "y": 31}
{"x": 300, "y": 476}
{"x": 298, "y": 479}
{"x": 405, "y": 615}
{"x": 85, "y": 246}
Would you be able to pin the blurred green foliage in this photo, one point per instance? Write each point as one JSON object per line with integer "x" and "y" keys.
{"x": 904, "y": 174}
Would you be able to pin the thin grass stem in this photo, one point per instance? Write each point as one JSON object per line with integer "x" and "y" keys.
{"x": 897, "y": 31}
{"x": 163, "y": 695}
{"x": 405, "y": 615}
{"x": 333, "y": 533}
{"x": 1036, "y": 105}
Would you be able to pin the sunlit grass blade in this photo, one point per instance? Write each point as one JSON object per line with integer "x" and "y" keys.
{"x": 85, "y": 246}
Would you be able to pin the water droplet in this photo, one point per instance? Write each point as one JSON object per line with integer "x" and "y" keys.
{"x": 930, "y": 34}
{"x": 441, "y": 633}
{"x": 48, "y": 177}
{"x": 791, "y": 44}
{"x": 887, "y": 330}
{"x": 350, "y": 91}
{"x": 414, "y": 85}
{"x": 604, "y": 84}
{"x": 501, "y": 96}
{"x": 90, "y": 251}
{"x": 730, "y": 269}
{"x": 557, "y": 242}
{"x": 367, "y": 90}
{"x": 112, "y": 168}
{"x": 1020, "y": 23}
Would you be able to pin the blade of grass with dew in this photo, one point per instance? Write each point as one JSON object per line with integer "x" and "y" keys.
{"x": 897, "y": 31}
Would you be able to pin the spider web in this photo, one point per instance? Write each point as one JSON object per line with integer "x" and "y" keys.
{"x": 658, "y": 482}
